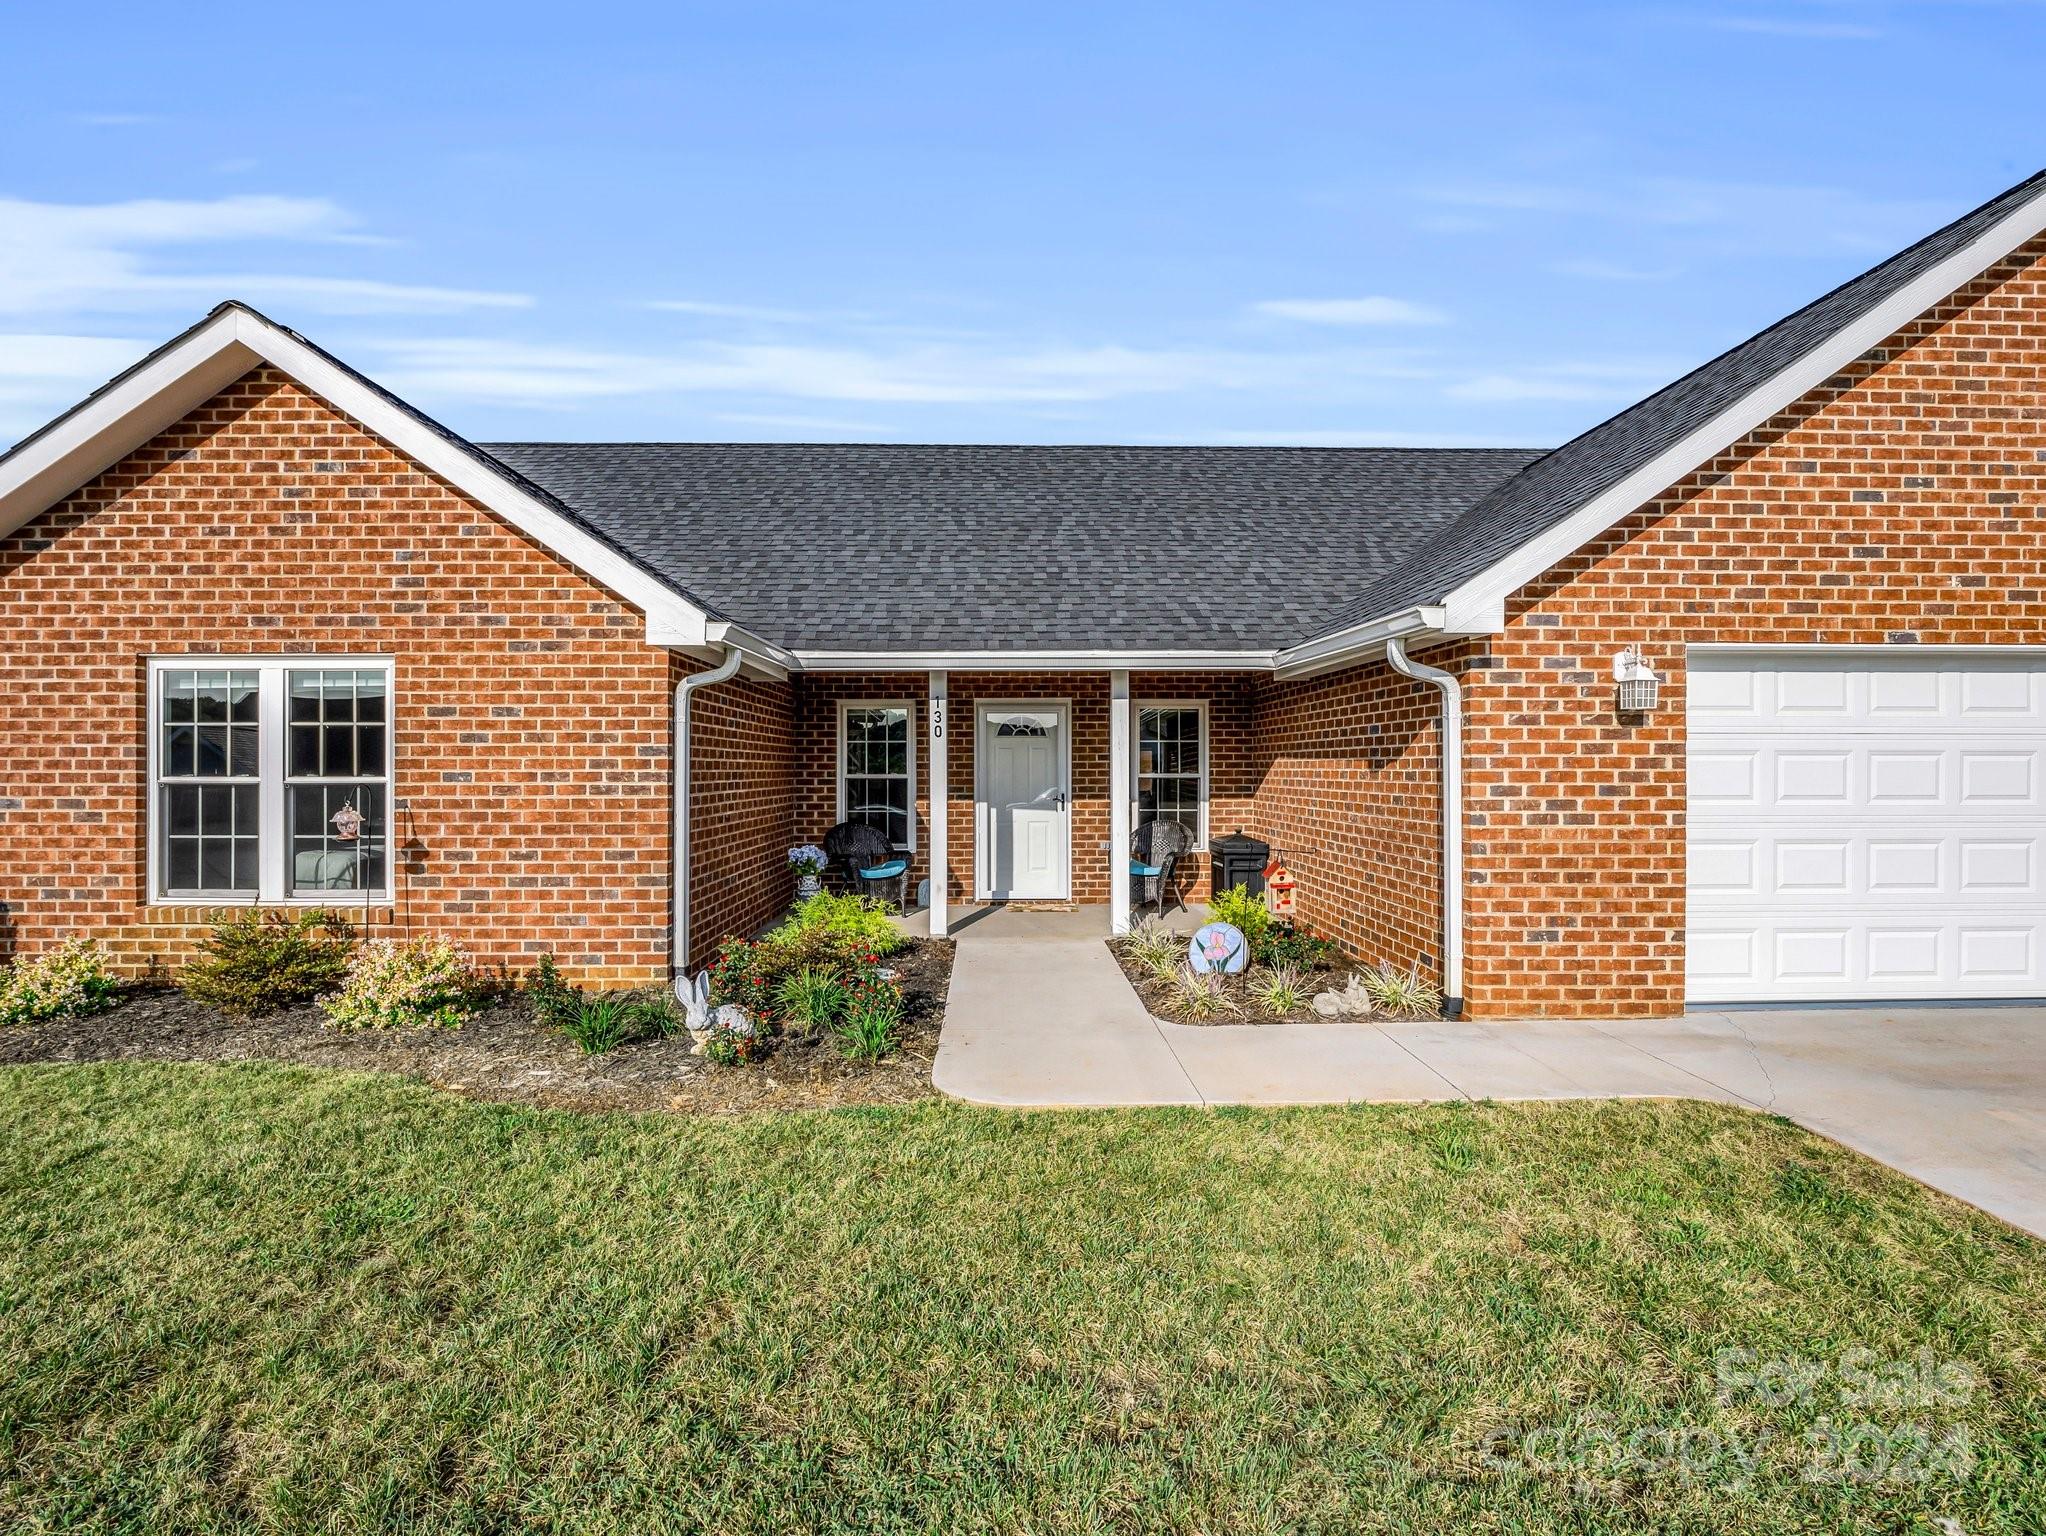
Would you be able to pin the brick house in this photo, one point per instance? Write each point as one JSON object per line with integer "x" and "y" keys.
{"x": 246, "y": 595}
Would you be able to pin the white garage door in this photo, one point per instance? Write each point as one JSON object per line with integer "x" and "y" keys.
{"x": 1866, "y": 824}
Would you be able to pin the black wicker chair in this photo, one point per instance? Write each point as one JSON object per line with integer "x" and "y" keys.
{"x": 1155, "y": 852}
{"x": 867, "y": 859}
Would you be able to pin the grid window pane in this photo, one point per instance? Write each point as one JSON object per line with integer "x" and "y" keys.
{"x": 210, "y": 726}
{"x": 210, "y": 845}
{"x": 875, "y": 762}
{"x": 337, "y": 724}
{"x": 1169, "y": 783}
{"x": 321, "y": 858}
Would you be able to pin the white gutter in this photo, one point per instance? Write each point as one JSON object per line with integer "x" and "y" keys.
{"x": 1452, "y": 817}
{"x": 1359, "y": 642}
{"x": 722, "y": 672}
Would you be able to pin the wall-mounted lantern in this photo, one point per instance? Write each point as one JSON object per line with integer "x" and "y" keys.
{"x": 1637, "y": 682}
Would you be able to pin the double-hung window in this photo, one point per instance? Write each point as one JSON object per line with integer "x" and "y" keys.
{"x": 270, "y": 778}
{"x": 877, "y": 770}
{"x": 1172, "y": 766}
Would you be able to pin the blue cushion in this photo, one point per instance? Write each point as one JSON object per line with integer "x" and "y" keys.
{"x": 1146, "y": 870}
{"x": 885, "y": 871}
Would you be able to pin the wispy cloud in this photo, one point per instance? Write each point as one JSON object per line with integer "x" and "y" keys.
{"x": 1014, "y": 373}
{"x": 1789, "y": 26}
{"x": 1341, "y": 437}
{"x": 829, "y": 426}
{"x": 1613, "y": 271}
{"x": 1752, "y": 217}
{"x": 85, "y": 258}
{"x": 1374, "y": 309}
{"x": 38, "y": 370}
{"x": 715, "y": 311}
{"x": 1564, "y": 381}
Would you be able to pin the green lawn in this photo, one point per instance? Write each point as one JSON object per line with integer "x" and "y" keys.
{"x": 255, "y": 1297}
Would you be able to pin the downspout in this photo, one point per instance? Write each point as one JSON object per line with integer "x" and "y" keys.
{"x": 1452, "y": 818}
{"x": 723, "y": 671}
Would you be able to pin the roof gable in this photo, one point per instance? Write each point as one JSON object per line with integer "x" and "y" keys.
{"x": 1568, "y": 497}
{"x": 132, "y": 408}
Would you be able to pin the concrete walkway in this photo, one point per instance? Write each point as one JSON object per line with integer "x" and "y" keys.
{"x": 1041, "y": 1016}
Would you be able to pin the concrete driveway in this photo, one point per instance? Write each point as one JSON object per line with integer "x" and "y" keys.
{"x": 1040, "y": 1016}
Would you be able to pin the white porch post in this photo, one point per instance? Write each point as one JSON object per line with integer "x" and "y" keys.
{"x": 1119, "y": 798}
{"x": 939, "y": 797}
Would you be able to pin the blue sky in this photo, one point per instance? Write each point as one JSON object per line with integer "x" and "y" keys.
{"x": 1360, "y": 223}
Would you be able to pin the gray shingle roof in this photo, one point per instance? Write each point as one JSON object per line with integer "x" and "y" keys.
{"x": 1556, "y": 485}
{"x": 857, "y": 547}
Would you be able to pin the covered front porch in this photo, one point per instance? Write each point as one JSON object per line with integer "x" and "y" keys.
{"x": 1008, "y": 790}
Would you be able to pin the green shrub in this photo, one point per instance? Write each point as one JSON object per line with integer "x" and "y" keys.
{"x": 1393, "y": 990}
{"x": 1201, "y": 995}
{"x": 870, "y": 1027}
{"x": 408, "y": 985}
{"x": 1150, "y": 944}
{"x": 1279, "y": 989}
{"x": 1287, "y": 944}
{"x": 812, "y": 995}
{"x": 656, "y": 1014}
{"x": 1243, "y": 912}
{"x": 69, "y": 982}
{"x": 859, "y": 919}
{"x": 257, "y": 962}
{"x": 600, "y": 1022}
{"x": 554, "y": 1001}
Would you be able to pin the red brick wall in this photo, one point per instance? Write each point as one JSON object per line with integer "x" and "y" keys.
{"x": 1903, "y": 502}
{"x": 1348, "y": 782}
{"x": 531, "y": 718}
{"x": 818, "y": 695}
{"x": 742, "y": 808}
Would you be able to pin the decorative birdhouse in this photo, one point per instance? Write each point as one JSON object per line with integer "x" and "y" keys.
{"x": 347, "y": 823}
{"x": 1279, "y": 884}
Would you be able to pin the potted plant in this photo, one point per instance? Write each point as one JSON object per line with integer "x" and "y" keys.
{"x": 808, "y": 861}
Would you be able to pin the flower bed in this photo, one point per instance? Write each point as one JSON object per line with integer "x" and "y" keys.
{"x": 1294, "y": 979}
{"x": 516, "y": 1044}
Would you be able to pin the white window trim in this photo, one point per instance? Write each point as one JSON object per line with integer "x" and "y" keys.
{"x": 273, "y": 842}
{"x": 846, "y": 706}
{"x": 1137, "y": 708}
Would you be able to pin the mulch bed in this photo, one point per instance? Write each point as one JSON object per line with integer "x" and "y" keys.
{"x": 506, "y": 1055}
{"x": 1163, "y": 1003}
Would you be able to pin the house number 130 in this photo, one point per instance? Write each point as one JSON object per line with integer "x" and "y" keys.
{"x": 937, "y": 718}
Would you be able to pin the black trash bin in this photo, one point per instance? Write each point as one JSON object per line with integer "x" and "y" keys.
{"x": 1239, "y": 859}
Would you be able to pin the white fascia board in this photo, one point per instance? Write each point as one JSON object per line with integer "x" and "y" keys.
{"x": 106, "y": 429}
{"x": 1781, "y": 390}
{"x": 1363, "y": 642}
{"x": 669, "y": 616}
{"x": 1034, "y": 661}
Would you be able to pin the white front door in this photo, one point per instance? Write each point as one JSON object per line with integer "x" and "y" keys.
{"x": 1867, "y": 824}
{"x": 1024, "y": 802}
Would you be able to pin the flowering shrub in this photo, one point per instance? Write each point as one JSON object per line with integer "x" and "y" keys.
{"x": 807, "y": 859}
{"x": 872, "y": 1016}
{"x": 392, "y": 985}
{"x": 745, "y": 975}
{"x": 70, "y": 981}
{"x": 256, "y": 962}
